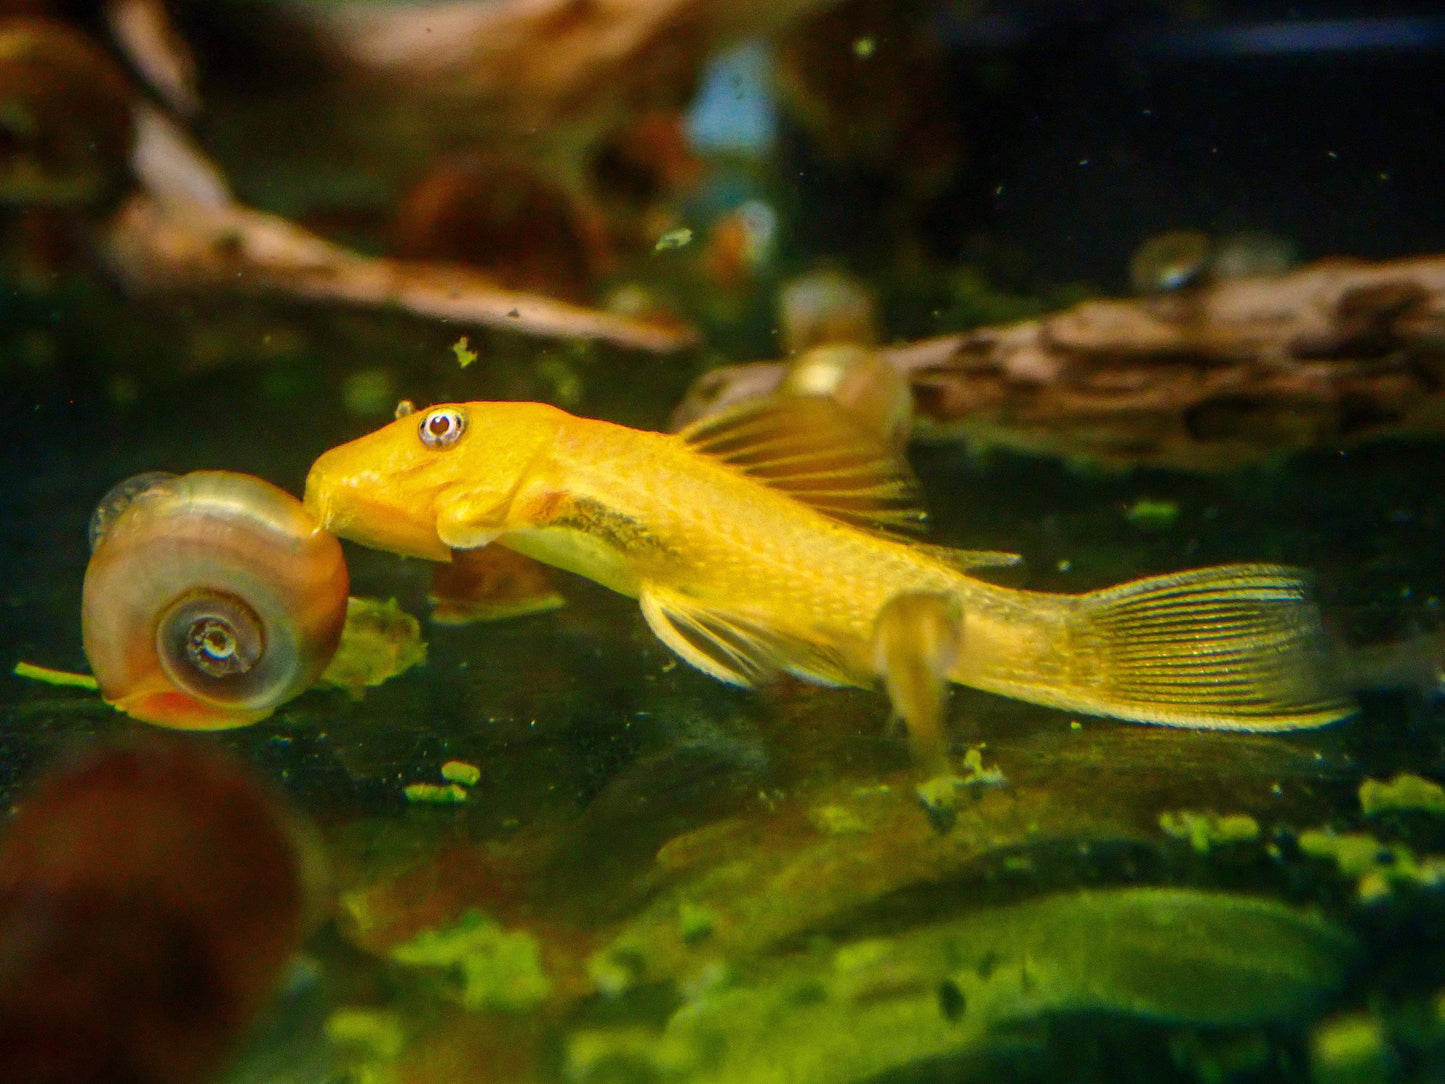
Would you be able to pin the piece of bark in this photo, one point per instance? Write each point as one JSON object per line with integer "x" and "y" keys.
{"x": 182, "y": 232}
{"x": 528, "y": 64}
{"x": 1226, "y": 374}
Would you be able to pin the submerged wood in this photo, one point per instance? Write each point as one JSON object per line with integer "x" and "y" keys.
{"x": 184, "y": 232}
{"x": 1211, "y": 378}
{"x": 528, "y": 63}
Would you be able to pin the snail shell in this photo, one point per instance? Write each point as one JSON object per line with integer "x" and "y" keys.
{"x": 1170, "y": 261}
{"x": 872, "y": 392}
{"x": 210, "y": 599}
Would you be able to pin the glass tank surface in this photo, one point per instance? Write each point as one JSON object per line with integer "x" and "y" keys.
{"x": 685, "y": 541}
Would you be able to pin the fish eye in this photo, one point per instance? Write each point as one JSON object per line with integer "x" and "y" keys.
{"x": 442, "y": 427}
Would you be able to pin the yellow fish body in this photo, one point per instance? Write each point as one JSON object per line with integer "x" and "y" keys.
{"x": 764, "y": 541}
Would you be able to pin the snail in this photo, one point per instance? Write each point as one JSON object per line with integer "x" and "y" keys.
{"x": 872, "y": 392}
{"x": 151, "y": 895}
{"x": 210, "y": 599}
{"x": 66, "y": 124}
{"x": 1170, "y": 261}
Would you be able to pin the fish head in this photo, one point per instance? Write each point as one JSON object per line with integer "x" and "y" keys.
{"x": 431, "y": 480}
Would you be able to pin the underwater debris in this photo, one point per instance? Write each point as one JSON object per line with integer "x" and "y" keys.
{"x": 678, "y": 238}
{"x": 1238, "y": 370}
{"x": 1405, "y": 792}
{"x": 493, "y": 967}
{"x": 47, "y": 676}
{"x": 1207, "y": 830}
{"x": 210, "y": 599}
{"x": 129, "y": 874}
{"x": 379, "y": 641}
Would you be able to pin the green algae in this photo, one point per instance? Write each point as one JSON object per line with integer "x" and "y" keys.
{"x": 371, "y": 1034}
{"x": 458, "y": 771}
{"x": 974, "y": 772}
{"x": 836, "y": 820}
{"x": 1349, "y": 1049}
{"x": 1152, "y": 515}
{"x": 379, "y": 641}
{"x": 1205, "y": 830}
{"x": 493, "y": 967}
{"x": 867, "y": 1007}
{"x": 465, "y": 355}
{"x": 695, "y": 922}
{"x": 435, "y": 793}
{"x": 1377, "y": 867}
{"x": 1405, "y": 792}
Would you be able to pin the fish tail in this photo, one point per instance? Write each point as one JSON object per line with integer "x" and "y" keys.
{"x": 1234, "y": 647}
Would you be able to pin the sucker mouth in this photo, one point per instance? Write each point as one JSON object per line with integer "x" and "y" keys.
{"x": 344, "y": 509}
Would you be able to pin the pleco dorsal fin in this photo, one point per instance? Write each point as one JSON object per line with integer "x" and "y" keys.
{"x": 732, "y": 647}
{"x": 809, "y": 448}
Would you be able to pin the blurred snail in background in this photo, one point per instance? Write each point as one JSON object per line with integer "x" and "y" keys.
{"x": 826, "y": 306}
{"x": 151, "y": 896}
{"x": 66, "y": 125}
{"x": 1184, "y": 259}
{"x": 210, "y": 599}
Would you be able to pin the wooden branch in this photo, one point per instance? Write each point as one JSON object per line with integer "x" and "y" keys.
{"x": 1222, "y": 375}
{"x": 183, "y": 232}
{"x": 528, "y": 63}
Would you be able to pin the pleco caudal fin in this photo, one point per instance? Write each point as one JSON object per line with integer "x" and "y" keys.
{"x": 1237, "y": 647}
{"x": 809, "y": 448}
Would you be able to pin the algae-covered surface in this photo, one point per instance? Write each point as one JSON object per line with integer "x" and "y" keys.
{"x": 557, "y": 854}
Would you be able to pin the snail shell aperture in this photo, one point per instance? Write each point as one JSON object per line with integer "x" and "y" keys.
{"x": 210, "y": 599}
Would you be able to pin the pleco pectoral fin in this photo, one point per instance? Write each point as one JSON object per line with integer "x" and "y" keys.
{"x": 467, "y": 519}
{"x": 1237, "y": 647}
{"x": 812, "y": 450}
{"x": 917, "y": 637}
{"x": 733, "y": 647}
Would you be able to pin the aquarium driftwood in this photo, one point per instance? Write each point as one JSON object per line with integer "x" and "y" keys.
{"x": 1210, "y": 378}
{"x": 524, "y": 63}
{"x": 183, "y": 232}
